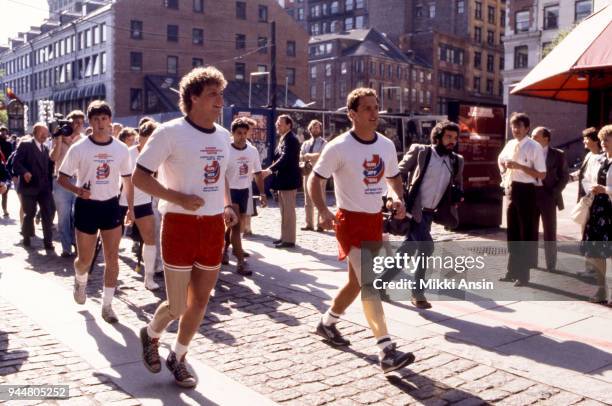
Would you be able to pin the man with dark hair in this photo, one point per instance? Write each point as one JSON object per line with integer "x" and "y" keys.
{"x": 99, "y": 162}
{"x": 35, "y": 171}
{"x": 363, "y": 164}
{"x": 286, "y": 179}
{"x": 435, "y": 184}
{"x": 521, "y": 164}
{"x": 192, "y": 156}
{"x": 7, "y": 148}
{"x": 64, "y": 199}
{"x": 549, "y": 195}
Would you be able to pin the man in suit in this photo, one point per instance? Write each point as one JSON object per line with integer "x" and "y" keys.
{"x": 435, "y": 176}
{"x": 287, "y": 178}
{"x": 549, "y": 193}
{"x": 35, "y": 170}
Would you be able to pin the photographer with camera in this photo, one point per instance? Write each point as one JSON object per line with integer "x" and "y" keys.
{"x": 435, "y": 177}
{"x": 66, "y": 132}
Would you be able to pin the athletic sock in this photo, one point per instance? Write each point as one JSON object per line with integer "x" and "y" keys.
{"x": 151, "y": 333}
{"x": 180, "y": 350}
{"x": 149, "y": 252}
{"x": 107, "y": 296}
{"x": 81, "y": 279}
{"x": 382, "y": 343}
{"x": 330, "y": 318}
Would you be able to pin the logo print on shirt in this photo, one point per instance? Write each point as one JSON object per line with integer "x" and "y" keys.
{"x": 102, "y": 171}
{"x": 373, "y": 170}
{"x": 243, "y": 169}
{"x": 212, "y": 172}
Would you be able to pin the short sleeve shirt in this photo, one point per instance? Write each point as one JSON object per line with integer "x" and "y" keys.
{"x": 140, "y": 197}
{"x": 100, "y": 165}
{"x": 242, "y": 165}
{"x": 530, "y": 153}
{"x": 191, "y": 160}
{"x": 359, "y": 169}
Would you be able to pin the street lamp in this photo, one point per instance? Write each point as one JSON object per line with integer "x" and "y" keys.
{"x": 251, "y": 84}
{"x": 382, "y": 98}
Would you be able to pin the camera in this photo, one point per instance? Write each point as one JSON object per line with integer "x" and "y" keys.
{"x": 61, "y": 127}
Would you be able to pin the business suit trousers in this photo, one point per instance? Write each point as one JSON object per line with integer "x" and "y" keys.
{"x": 522, "y": 231}
{"x": 286, "y": 202}
{"x": 309, "y": 207}
{"x": 29, "y": 202}
{"x": 546, "y": 209}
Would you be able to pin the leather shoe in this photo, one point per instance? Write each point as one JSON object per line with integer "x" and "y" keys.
{"x": 277, "y": 242}
{"x": 521, "y": 283}
{"x": 507, "y": 279}
{"x": 49, "y": 246}
{"x": 320, "y": 230}
{"x": 26, "y": 242}
{"x": 307, "y": 228}
{"x": 285, "y": 245}
{"x": 420, "y": 303}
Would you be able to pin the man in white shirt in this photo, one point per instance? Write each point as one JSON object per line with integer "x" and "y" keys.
{"x": 191, "y": 155}
{"x": 521, "y": 164}
{"x": 100, "y": 163}
{"x": 364, "y": 165}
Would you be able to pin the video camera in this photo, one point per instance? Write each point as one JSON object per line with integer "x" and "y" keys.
{"x": 60, "y": 127}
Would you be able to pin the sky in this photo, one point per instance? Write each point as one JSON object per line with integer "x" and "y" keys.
{"x": 19, "y": 15}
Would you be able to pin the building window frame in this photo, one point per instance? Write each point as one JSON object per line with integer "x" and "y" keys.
{"x": 172, "y": 33}
{"x": 172, "y": 65}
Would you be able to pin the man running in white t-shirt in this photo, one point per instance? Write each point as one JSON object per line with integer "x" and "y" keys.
{"x": 243, "y": 166}
{"x": 191, "y": 155}
{"x": 363, "y": 163}
{"x": 100, "y": 163}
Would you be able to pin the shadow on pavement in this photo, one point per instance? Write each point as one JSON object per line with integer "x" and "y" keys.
{"x": 12, "y": 359}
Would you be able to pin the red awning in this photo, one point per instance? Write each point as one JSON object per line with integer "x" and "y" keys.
{"x": 582, "y": 61}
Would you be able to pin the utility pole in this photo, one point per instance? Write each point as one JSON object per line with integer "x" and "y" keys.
{"x": 273, "y": 67}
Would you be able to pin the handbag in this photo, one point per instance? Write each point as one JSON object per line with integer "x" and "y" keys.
{"x": 580, "y": 212}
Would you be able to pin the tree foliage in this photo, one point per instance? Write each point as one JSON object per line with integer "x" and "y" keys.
{"x": 560, "y": 37}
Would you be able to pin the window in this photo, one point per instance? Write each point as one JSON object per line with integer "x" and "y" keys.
{"x": 477, "y": 60}
{"x": 262, "y": 14}
{"x": 95, "y": 36}
{"x": 313, "y": 72}
{"x": 348, "y": 23}
{"x": 521, "y": 21}
{"x": 239, "y": 71}
{"x": 172, "y": 65}
{"x": 490, "y": 63}
{"x": 359, "y": 3}
{"x": 290, "y": 48}
{"x": 262, "y": 43}
{"x": 521, "y": 57}
{"x": 334, "y": 7}
{"x": 102, "y": 32}
{"x": 582, "y": 9}
{"x": 502, "y": 63}
{"x": 314, "y": 29}
{"x": 328, "y": 69}
{"x": 478, "y": 10}
{"x": 262, "y": 68}
{"x": 490, "y": 37}
{"x": 95, "y": 65}
{"x": 197, "y": 62}
{"x": 136, "y": 61}
{"x": 241, "y": 10}
{"x": 291, "y": 76}
{"x": 344, "y": 68}
{"x": 136, "y": 99}
{"x": 477, "y": 84}
{"x": 300, "y": 14}
{"x": 418, "y": 10}
{"x": 313, "y": 92}
{"x": 136, "y": 29}
{"x": 349, "y": 4}
{"x": 87, "y": 40}
{"x": 478, "y": 34}
{"x": 103, "y": 62}
{"x": 171, "y": 4}
{"x": 328, "y": 91}
{"x": 551, "y": 17}
{"x": 198, "y": 6}
{"x": 500, "y": 86}
{"x": 172, "y": 33}
{"x": 460, "y": 6}
{"x": 502, "y": 18}
{"x": 432, "y": 10}
{"x": 197, "y": 36}
{"x": 359, "y": 22}
{"x": 489, "y": 86}
{"x": 240, "y": 41}
{"x": 491, "y": 14}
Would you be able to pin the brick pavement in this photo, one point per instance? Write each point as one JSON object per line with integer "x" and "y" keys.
{"x": 265, "y": 342}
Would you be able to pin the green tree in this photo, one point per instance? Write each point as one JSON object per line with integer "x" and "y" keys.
{"x": 3, "y": 114}
{"x": 560, "y": 37}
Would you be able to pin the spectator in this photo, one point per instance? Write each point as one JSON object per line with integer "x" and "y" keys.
{"x": 309, "y": 154}
{"x": 7, "y": 148}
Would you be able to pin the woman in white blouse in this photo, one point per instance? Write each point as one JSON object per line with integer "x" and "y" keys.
{"x": 597, "y": 237}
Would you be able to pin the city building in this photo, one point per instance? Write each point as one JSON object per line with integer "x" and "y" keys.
{"x": 341, "y": 62}
{"x": 133, "y": 52}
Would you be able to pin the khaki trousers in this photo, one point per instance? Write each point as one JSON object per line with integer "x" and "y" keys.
{"x": 286, "y": 202}
{"x": 309, "y": 206}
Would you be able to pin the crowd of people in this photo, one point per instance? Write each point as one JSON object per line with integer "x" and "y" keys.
{"x": 197, "y": 177}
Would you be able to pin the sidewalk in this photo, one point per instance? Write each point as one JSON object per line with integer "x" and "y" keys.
{"x": 256, "y": 341}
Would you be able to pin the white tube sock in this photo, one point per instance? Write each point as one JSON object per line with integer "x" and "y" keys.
{"x": 149, "y": 253}
{"x": 180, "y": 350}
{"x": 107, "y": 296}
{"x": 81, "y": 279}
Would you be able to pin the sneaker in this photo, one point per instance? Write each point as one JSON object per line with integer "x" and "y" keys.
{"x": 108, "y": 314}
{"x": 332, "y": 335}
{"x": 243, "y": 269}
{"x": 225, "y": 258}
{"x": 182, "y": 376}
{"x": 394, "y": 359}
{"x": 149, "y": 283}
{"x": 150, "y": 351}
{"x": 79, "y": 292}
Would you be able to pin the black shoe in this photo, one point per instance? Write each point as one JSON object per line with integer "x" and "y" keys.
{"x": 332, "y": 335}
{"x": 277, "y": 242}
{"x": 6, "y": 214}
{"x": 320, "y": 230}
{"x": 150, "y": 351}
{"x": 307, "y": 228}
{"x": 49, "y": 246}
{"x": 420, "y": 303}
{"x": 65, "y": 254}
{"x": 26, "y": 242}
{"x": 519, "y": 283}
{"x": 394, "y": 359}
{"x": 506, "y": 279}
{"x": 285, "y": 245}
{"x": 182, "y": 376}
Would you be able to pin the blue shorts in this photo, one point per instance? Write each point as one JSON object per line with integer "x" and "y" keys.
{"x": 241, "y": 198}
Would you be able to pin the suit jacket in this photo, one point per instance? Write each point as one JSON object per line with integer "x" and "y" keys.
{"x": 412, "y": 167}
{"x": 557, "y": 175}
{"x": 286, "y": 164}
{"x": 29, "y": 158}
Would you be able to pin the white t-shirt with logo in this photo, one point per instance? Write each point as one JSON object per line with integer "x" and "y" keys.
{"x": 140, "y": 197}
{"x": 359, "y": 169}
{"x": 190, "y": 160}
{"x": 243, "y": 164}
{"x": 100, "y": 165}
